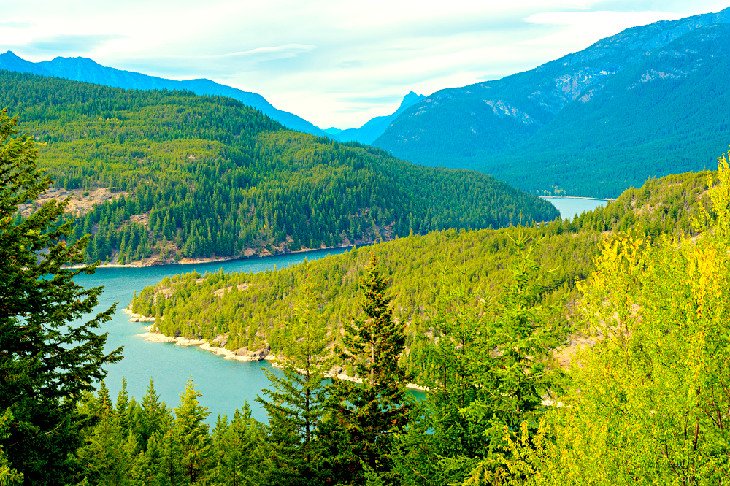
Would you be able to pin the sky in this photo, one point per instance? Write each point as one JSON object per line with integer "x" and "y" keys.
{"x": 333, "y": 62}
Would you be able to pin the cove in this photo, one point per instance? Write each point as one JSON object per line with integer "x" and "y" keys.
{"x": 225, "y": 384}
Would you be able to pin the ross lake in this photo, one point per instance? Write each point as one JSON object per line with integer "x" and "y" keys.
{"x": 225, "y": 384}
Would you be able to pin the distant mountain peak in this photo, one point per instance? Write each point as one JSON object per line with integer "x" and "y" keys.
{"x": 374, "y": 127}
{"x": 76, "y": 59}
{"x": 412, "y": 95}
{"x": 409, "y": 100}
{"x": 11, "y": 55}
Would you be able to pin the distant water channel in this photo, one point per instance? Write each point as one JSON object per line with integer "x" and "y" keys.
{"x": 225, "y": 384}
{"x": 570, "y": 207}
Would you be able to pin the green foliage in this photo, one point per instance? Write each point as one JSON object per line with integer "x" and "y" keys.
{"x": 195, "y": 176}
{"x": 488, "y": 369}
{"x": 149, "y": 444}
{"x": 373, "y": 410}
{"x": 483, "y": 313}
{"x": 648, "y": 400}
{"x": 190, "y": 433}
{"x": 241, "y": 451}
{"x": 295, "y": 404}
{"x": 533, "y": 376}
{"x": 50, "y": 355}
{"x": 251, "y": 310}
{"x": 8, "y": 475}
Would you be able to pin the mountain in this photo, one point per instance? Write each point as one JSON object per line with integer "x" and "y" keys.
{"x": 87, "y": 70}
{"x": 590, "y": 123}
{"x": 159, "y": 176}
{"x": 375, "y": 127}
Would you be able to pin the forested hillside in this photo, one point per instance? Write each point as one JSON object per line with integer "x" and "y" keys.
{"x": 592, "y": 123}
{"x": 190, "y": 176}
{"x": 252, "y": 311}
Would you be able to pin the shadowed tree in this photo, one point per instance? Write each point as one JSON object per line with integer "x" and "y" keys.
{"x": 49, "y": 355}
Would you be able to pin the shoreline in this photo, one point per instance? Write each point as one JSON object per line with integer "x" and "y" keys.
{"x": 202, "y": 261}
{"x": 157, "y": 337}
{"x": 586, "y": 198}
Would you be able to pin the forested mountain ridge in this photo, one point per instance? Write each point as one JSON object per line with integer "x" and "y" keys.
{"x": 431, "y": 274}
{"x": 87, "y": 70}
{"x": 199, "y": 177}
{"x": 590, "y": 123}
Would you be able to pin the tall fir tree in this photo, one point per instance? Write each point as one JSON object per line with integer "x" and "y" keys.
{"x": 49, "y": 356}
{"x": 106, "y": 456}
{"x": 241, "y": 452}
{"x": 374, "y": 411}
{"x": 190, "y": 432}
{"x": 295, "y": 403}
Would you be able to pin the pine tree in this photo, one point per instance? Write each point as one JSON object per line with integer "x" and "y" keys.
{"x": 106, "y": 457}
{"x": 295, "y": 404}
{"x": 190, "y": 432}
{"x": 241, "y": 451}
{"x": 372, "y": 412}
{"x": 48, "y": 356}
{"x": 8, "y": 475}
{"x": 154, "y": 417}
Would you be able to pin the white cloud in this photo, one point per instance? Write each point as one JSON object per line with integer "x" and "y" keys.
{"x": 334, "y": 62}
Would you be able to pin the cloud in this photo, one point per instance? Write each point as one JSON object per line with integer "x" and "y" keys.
{"x": 273, "y": 52}
{"x": 66, "y": 44}
{"x": 334, "y": 63}
{"x": 14, "y": 25}
{"x": 286, "y": 51}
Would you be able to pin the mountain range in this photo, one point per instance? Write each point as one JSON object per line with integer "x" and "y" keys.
{"x": 88, "y": 70}
{"x": 647, "y": 102}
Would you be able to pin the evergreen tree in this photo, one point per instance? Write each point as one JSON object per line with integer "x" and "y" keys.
{"x": 373, "y": 411}
{"x": 241, "y": 452}
{"x": 295, "y": 404}
{"x": 107, "y": 455}
{"x": 190, "y": 433}
{"x": 8, "y": 475}
{"x": 48, "y": 356}
{"x": 154, "y": 417}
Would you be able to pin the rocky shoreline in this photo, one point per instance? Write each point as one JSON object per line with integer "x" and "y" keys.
{"x": 242, "y": 354}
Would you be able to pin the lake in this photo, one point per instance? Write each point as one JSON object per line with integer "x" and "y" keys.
{"x": 570, "y": 207}
{"x": 225, "y": 384}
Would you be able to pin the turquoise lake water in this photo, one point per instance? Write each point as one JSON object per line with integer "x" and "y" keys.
{"x": 571, "y": 207}
{"x": 225, "y": 384}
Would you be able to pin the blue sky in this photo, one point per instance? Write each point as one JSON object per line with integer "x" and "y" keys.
{"x": 334, "y": 62}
